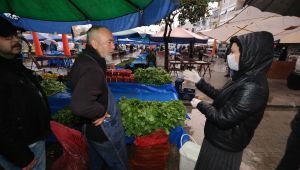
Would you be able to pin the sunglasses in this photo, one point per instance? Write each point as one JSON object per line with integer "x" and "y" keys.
{"x": 17, "y": 34}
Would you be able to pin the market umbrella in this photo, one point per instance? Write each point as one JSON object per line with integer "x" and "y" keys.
{"x": 282, "y": 7}
{"x": 81, "y": 38}
{"x": 126, "y": 34}
{"x": 251, "y": 19}
{"x": 293, "y": 37}
{"x": 41, "y": 36}
{"x": 58, "y": 16}
{"x": 180, "y": 35}
{"x": 57, "y": 37}
{"x": 125, "y": 41}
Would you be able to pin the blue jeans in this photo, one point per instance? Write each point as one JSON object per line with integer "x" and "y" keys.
{"x": 39, "y": 151}
{"x": 103, "y": 155}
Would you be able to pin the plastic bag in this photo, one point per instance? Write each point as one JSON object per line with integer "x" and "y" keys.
{"x": 177, "y": 136}
{"x": 155, "y": 138}
{"x": 75, "y": 150}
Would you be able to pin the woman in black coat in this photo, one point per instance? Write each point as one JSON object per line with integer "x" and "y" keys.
{"x": 238, "y": 107}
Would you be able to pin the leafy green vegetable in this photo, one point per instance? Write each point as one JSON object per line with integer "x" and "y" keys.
{"x": 52, "y": 86}
{"x": 153, "y": 76}
{"x": 143, "y": 117}
{"x": 67, "y": 118}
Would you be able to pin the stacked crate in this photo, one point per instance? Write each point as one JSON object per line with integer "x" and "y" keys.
{"x": 124, "y": 75}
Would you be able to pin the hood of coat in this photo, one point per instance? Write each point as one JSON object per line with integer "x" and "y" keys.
{"x": 256, "y": 51}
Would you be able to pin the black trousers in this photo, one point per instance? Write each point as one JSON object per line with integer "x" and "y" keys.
{"x": 291, "y": 158}
{"x": 213, "y": 158}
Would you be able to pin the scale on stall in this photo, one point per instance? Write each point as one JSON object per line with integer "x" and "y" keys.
{"x": 185, "y": 93}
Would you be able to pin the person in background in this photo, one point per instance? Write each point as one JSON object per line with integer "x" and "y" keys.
{"x": 200, "y": 54}
{"x": 238, "y": 107}
{"x": 283, "y": 54}
{"x": 93, "y": 100}
{"x": 24, "y": 111}
{"x": 291, "y": 158}
{"x": 151, "y": 58}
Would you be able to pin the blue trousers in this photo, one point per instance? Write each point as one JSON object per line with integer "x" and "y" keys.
{"x": 39, "y": 151}
{"x": 103, "y": 155}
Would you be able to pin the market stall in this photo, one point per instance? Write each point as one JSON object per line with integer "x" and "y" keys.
{"x": 152, "y": 115}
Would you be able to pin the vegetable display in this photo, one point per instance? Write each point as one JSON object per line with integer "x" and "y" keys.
{"x": 152, "y": 76}
{"x": 52, "y": 86}
{"x": 143, "y": 117}
{"x": 67, "y": 118}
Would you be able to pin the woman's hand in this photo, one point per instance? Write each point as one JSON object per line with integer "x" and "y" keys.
{"x": 191, "y": 76}
{"x": 195, "y": 102}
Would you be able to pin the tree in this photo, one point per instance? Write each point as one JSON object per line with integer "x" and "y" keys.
{"x": 190, "y": 10}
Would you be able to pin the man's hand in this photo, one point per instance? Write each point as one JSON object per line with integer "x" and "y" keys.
{"x": 191, "y": 76}
{"x": 100, "y": 120}
{"x": 195, "y": 102}
{"x": 199, "y": 97}
{"x": 31, "y": 165}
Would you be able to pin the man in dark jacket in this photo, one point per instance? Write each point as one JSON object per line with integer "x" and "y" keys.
{"x": 93, "y": 100}
{"x": 238, "y": 107}
{"x": 24, "y": 112}
{"x": 291, "y": 158}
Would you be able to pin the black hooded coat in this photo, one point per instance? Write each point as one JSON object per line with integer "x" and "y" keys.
{"x": 238, "y": 107}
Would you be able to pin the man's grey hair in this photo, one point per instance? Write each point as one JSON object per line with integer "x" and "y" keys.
{"x": 91, "y": 33}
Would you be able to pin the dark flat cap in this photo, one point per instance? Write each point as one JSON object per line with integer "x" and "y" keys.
{"x": 7, "y": 28}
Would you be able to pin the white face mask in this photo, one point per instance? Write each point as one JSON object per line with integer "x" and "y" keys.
{"x": 232, "y": 64}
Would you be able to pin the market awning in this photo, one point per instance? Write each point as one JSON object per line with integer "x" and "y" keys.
{"x": 251, "y": 19}
{"x": 41, "y": 36}
{"x": 282, "y": 7}
{"x": 180, "y": 35}
{"x": 58, "y": 16}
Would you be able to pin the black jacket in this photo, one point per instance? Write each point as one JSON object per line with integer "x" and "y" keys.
{"x": 24, "y": 112}
{"x": 89, "y": 98}
{"x": 295, "y": 124}
{"x": 238, "y": 107}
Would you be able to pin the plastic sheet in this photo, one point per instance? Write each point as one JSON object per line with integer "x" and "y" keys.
{"x": 175, "y": 136}
{"x": 165, "y": 92}
{"x": 59, "y": 101}
{"x": 141, "y": 59}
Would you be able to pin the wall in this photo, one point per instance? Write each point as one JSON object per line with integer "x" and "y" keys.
{"x": 281, "y": 69}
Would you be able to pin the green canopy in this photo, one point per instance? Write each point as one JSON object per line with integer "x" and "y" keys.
{"x": 60, "y": 15}
{"x": 72, "y": 10}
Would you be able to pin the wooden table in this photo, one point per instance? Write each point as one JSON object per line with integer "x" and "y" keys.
{"x": 202, "y": 66}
